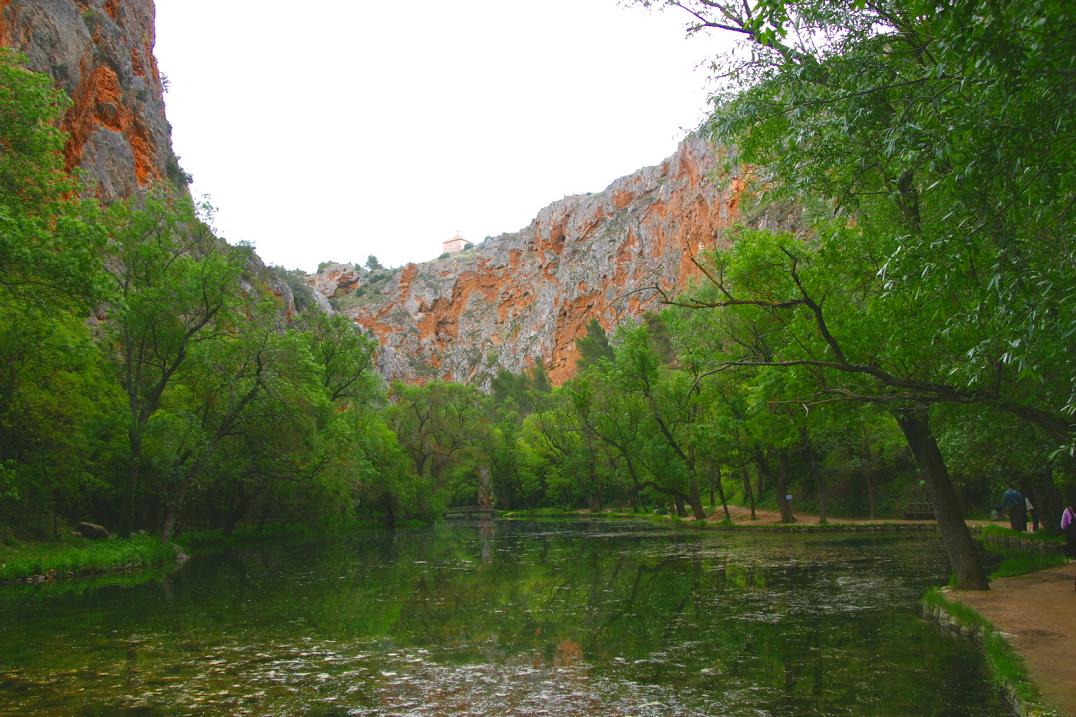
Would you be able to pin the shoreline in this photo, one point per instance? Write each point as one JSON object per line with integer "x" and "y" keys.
{"x": 767, "y": 521}
{"x": 1013, "y": 651}
{"x": 73, "y": 559}
{"x": 84, "y": 558}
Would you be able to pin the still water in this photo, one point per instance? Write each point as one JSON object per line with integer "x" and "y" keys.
{"x": 573, "y": 618}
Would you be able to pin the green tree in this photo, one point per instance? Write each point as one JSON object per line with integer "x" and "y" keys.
{"x": 539, "y": 378}
{"x": 444, "y": 428}
{"x": 674, "y": 403}
{"x": 345, "y": 356}
{"x": 937, "y": 141}
{"x": 54, "y": 405}
{"x": 175, "y": 284}
{"x": 594, "y": 346}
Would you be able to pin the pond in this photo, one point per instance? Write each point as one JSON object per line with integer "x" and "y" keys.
{"x": 512, "y": 618}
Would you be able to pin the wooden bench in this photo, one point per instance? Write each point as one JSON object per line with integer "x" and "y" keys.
{"x": 919, "y": 511}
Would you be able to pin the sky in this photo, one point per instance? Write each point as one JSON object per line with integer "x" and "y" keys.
{"x": 337, "y": 129}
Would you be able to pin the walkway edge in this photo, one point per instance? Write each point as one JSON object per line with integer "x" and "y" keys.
{"x": 1007, "y": 669}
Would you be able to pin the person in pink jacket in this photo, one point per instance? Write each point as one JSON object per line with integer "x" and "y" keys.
{"x": 1068, "y": 529}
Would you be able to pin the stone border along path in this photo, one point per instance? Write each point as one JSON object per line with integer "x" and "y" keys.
{"x": 1036, "y": 612}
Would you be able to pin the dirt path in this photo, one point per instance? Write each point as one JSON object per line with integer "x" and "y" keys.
{"x": 1037, "y": 613}
{"x": 765, "y": 516}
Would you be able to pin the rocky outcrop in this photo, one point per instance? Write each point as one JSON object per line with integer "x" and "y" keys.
{"x": 502, "y": 304}
{"x": 100, "y": 52}
{"x": 517, "y": 297}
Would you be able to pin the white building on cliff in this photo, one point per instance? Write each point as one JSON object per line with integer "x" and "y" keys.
{"x": 456, "y": 244}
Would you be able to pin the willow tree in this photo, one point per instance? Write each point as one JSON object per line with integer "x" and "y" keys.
{"x": 937, "y": 139}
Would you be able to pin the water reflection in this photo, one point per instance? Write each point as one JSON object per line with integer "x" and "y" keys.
{"x": 512, "y": 619}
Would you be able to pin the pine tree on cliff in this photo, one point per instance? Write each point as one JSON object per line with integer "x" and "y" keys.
{"x": 539, "y": 378}
{"x": 594, "y": 346}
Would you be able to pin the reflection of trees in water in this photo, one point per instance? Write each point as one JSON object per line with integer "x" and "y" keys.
{"x": 485, "y": 532}
{"x": 701, "y": 616}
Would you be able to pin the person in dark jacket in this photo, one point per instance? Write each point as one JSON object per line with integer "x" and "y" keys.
{"x": 1012, "y": 501}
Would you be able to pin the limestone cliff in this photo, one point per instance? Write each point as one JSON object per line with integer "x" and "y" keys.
{"x": 517, "y": 297}
{"x": 100, "y": 52}
{"x": 504, "y": 303}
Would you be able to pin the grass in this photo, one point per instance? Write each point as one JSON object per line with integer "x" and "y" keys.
{"x": 1015, "y": 563}
{"x": 81, "y": 557}
{"x": 1007, "y": 669}
{"x": 85, "y": 583}
{"x": 1040, "y": 536}
{"x": 672, "y": 520}
{"x": 966, "y": 616}
{"x": 75, "y": 556}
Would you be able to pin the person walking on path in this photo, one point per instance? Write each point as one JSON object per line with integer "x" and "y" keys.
{"x": 1013, "y": 503}
{"x": 1068, "y": 529}
{"x": 1032, "y": 514}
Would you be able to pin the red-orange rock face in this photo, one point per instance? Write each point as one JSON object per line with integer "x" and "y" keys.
{"x": 100, "y": 52}
{"x": 519, "y": 296}
{"x": 504, "y": 303}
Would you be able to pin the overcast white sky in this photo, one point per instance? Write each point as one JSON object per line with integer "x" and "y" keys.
{"x": 333, "y": 129}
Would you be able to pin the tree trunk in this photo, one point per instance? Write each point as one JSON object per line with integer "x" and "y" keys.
{"x": 133, "y": 466}
{"x": 636, "y": 500}
{"x": 231, "y": 519}
{"x": 748, "y": 492}
{"x": 816, "y": 475}
{"x": 1032, "y": 496}
{"x": 263, "y": 517}
{"x": 695, "y": 500}
{"x": 870, "y": 493}
{"x": 721, "y": 492}
{"x": 678, "y": 501}
{"x": 868, "y": 472}
{"x": 168, "y": 524}
{"x": 171, "y": 514}
{"x": 485, "y": 488}
{"x": 1052, "y": 502}
{"x": 959, "y": 545}
{"x": 239, "y": 508}
{"x": 783, "y": 504}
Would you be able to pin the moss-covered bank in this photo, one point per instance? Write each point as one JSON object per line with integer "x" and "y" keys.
{"x": 1020, "y": 553}
{"x": 1007, "y": 669}
{"x": 79, "y": 557}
